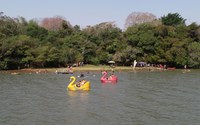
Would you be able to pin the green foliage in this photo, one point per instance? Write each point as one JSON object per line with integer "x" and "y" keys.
{"x": 26, "y": 44}
{"x": 35, "y": 31}
{"x": 8, "y": 26}
{"x": 194, "y": 31}
{"x": 173, "y": 19}
{"x": 194, "y": 55}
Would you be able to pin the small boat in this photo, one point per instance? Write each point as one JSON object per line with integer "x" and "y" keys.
{"x": 64, "y": 72}
{"x": 15, "y": 73}
{"x": 73, "y": 86}
{"x": 110, "y": 79}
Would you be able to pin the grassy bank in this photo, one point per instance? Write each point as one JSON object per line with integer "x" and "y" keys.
{"x": 104, "y": 67}
{"x": 80, "y": 69}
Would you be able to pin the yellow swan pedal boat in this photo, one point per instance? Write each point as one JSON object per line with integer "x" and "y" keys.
{"x": 73, "y": 86}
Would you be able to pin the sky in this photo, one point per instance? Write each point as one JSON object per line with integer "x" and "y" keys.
{"x": 92, "y": 12}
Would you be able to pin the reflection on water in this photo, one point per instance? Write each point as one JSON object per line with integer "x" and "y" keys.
{"x": 153, "y": 98}
{"x": 81, "y": 95}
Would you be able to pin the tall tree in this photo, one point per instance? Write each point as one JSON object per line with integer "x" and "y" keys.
{"x": 8, "y": 25}
{"x": 194, "y": 55}
{"x": 35, "y": 31}
{"x": 138, "y": 18}
{"x": 55, "y": 23}
{"x": 173, "y": 19}
{"x": 194, "y": 31}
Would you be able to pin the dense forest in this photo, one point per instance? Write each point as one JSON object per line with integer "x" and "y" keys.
{"x": 54, "y": 42}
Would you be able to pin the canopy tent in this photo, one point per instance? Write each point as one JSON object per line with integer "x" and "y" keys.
{"x": 141, "y": 64}
{"x": 111, "y": 62}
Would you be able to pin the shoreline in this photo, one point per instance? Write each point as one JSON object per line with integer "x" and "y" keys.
{"x": 81, "y": 69}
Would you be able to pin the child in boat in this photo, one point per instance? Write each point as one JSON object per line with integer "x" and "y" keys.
{"x": 110, "y": 77}
{"x": 80, "y": 83}
{"x": 83, "y": 82}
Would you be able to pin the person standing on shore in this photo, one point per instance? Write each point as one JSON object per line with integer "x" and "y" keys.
{"x": 185, "y": 67}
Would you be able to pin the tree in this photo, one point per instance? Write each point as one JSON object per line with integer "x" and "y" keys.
{"x": 194, "y": 31}
{"x": 127, "y": 55}
{"x": 138, "y": 18}
{"x": 194, "y": 55}
{"x": 55, "y": 23}
{"x": 8, "y": 26}
{"x": 17, "y": 51}
{"x": 173, "y": 19}
{"x": 35, "y": 31}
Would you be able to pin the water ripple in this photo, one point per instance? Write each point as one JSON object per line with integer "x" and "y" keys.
{"x": 153, "y": 98}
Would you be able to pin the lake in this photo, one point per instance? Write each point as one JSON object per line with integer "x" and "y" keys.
{"x": 139, "y": 98}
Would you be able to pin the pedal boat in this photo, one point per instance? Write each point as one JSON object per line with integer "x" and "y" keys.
{"x": 73, "y": 85}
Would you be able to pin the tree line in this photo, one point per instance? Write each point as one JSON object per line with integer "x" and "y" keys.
{"x": 54, "y": 42}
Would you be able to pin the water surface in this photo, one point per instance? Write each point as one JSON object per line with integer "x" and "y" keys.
{"x": 139, "y": 98}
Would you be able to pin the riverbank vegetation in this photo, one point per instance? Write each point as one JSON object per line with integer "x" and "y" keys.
{"x": 54, "y": 42}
